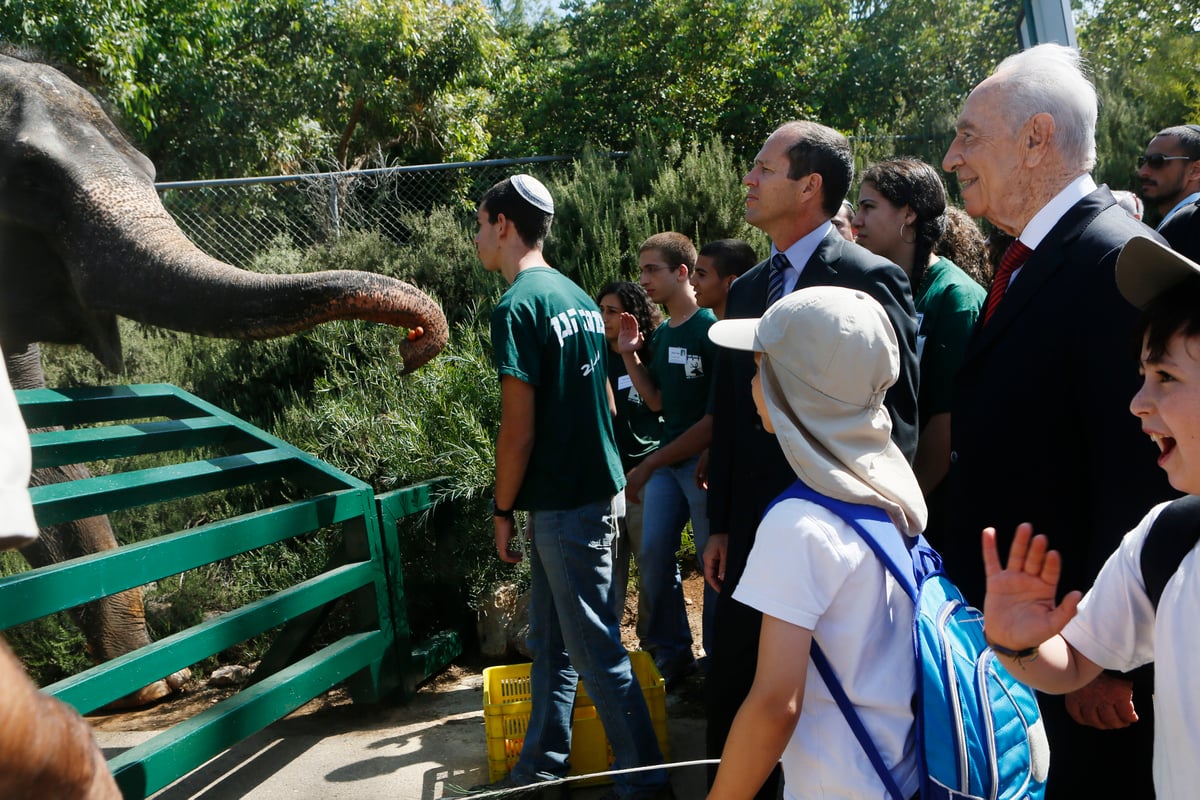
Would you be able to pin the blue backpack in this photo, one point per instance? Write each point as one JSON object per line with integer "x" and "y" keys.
{"x": 979, "y": 730}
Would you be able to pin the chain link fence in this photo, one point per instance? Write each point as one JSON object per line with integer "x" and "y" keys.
{"x": 235, "y": 219}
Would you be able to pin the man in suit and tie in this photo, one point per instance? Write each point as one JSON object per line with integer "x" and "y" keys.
{"x": 1042, "y": 431}
{"x": 798, "y": 182}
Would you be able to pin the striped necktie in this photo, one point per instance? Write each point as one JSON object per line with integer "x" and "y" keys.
{"x": 1016, "y": 255}
{"x": 779, "y": 267}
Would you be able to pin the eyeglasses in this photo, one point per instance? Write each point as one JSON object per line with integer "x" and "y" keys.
{"x": 1157, "y": 160}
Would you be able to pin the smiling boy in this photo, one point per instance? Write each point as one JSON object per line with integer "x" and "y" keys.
{"x": 1059, "y": 647}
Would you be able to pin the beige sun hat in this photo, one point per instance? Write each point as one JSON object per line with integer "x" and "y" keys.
{"x": 1145, "y": 269}
{"x": 830, "y": 355}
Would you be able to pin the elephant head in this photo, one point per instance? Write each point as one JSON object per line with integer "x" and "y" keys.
{"x": 84, "y": 238}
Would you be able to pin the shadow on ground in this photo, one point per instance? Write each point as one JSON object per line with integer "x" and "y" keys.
{"x": 332, "y": 749}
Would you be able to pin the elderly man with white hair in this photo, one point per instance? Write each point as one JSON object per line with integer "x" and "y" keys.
{"x": 1041, "y": 427}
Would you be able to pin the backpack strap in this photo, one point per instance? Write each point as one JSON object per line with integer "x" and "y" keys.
{"x": 1171, "y": 538}
{"x": 855, "y": 721}
{"x": 877, "y": 530}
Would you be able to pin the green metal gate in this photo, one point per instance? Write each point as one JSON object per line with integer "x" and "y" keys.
{"x": 377, "y": 658}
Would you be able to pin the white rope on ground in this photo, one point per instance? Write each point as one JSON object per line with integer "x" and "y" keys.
{"x": 542, "y": 785}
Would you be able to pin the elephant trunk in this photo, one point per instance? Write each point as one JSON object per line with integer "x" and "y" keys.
{"x": 143, "y": 267}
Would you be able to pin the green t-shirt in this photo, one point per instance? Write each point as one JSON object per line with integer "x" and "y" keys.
{"x": 682, "y": 367}
{"x": 548, "y": 333}
{"x": 947, "y": 308}
{"x": 638, "y": 429}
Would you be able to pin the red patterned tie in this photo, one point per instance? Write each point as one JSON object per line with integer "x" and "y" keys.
{"x": 1016, "y": 255}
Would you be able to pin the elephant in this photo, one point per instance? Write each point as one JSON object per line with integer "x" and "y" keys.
{"x": 84, "y": 238}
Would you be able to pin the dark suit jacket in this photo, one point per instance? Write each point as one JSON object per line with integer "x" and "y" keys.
{"x": 1041, "y": 426}
{"x": 747, "y": 468}
{"x": 1182, "y": 231}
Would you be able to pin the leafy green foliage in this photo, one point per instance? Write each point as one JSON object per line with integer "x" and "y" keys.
{"x": 230, "y": 87}
{"x": 336, "y": 391}
{"x": 226, "y": 87}
{"x": 1144, "y": 56}
{"x": 604, "y": 211}
{"x": 617, "y": 69}
{"x": 912, "y": 64}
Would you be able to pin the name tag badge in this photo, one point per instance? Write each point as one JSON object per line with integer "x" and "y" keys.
{"x": 677, "y": 355}
{"x": 624, "y": 382}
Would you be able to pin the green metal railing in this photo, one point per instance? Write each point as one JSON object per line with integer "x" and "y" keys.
{"x": 376, "y": 658}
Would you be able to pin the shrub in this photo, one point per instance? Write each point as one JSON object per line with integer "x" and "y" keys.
{"x": 336, "y": 391}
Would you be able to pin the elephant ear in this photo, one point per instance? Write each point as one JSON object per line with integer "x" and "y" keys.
{"x": 41, "y": 302}
{"x": 102, "y": 339}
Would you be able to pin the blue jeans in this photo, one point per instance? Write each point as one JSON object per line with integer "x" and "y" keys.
{"x": 629, "y": 543}
{"x": 670, "y": 498}
{"x": 573, "y": 633}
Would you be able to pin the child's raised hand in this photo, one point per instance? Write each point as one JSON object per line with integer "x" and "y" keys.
{"x": 1019, "y": 610}
{"x": 629, "y": 338}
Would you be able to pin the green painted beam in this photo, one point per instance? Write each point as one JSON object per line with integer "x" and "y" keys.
{"x": 80, "y": 445}
{"x": 49, "y": 407}
{"x": 106, "y": 682}
{"x": 43, "y": 408}
{"x": 430, "y": 657}
{"x": 102, "y": 494}
{"x": 148, "y": 767}
{"x": 413, "y": 664}
{"x": 29, "y": 595}
{"x": 409, "y": 500}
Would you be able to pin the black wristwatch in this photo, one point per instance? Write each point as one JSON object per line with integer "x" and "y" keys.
{"x": 503, "y": 513}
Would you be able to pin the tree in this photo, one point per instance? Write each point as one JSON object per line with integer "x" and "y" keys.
{"x": 416, "y": 80}
{"x": 102, "y": 41}
{"x": 675, "y": 70}
{"x": 227, "y": 87}
{"x": 912, "y": 65}
{"x": 1145, "y": 58}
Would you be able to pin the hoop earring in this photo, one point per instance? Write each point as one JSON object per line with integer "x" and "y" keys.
{"x": 906, "y": 241}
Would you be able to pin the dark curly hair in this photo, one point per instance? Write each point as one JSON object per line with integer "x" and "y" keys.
{"x": 913, "y": 183}
{"x": 635, "y": 301}
{"x": 964, "y": 243}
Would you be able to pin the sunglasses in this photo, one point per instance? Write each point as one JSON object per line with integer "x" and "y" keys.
{"x": 1157, "y": 160}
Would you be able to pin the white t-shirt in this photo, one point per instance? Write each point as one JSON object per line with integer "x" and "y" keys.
{"x": 809, "y": 568}
{"x": 1116, "y": 627}
{"x": 17, "y": 526}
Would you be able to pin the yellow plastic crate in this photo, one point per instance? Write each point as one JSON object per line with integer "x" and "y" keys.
{"x": 506, "y": 707}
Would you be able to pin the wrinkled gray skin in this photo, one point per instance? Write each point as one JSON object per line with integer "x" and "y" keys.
{"x": 84, "y": 239}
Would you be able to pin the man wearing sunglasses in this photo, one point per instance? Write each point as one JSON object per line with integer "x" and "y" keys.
{"x": 1170, "y": 175}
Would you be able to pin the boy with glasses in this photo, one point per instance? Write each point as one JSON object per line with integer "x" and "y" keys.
{"x": 676, "y": 383}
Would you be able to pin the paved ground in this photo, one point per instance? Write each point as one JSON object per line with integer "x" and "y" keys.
{"x": 409, "y": 752}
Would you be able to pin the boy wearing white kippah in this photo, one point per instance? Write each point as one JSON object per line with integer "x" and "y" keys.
{"x": 556, "y": 458}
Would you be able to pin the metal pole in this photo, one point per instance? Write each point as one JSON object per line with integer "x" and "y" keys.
{"x": 334, "y": 213}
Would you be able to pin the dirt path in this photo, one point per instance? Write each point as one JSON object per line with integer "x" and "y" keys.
{"x": 197, "y": 695}
{"x": 330, "y": 748}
